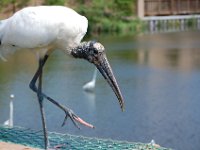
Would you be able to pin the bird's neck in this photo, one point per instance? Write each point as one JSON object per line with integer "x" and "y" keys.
{"x": 80, "y": 50}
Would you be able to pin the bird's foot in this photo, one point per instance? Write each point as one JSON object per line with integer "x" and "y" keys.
{"x": 74, "y": 118}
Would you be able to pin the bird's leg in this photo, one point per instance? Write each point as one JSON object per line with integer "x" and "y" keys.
{"x": 40, "y": 99}
{"x": 69, "y": 113}
{"x": 40, "y": 96}
{"x": 32, "y": 84}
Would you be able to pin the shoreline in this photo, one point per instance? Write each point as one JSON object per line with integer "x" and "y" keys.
{"x": 12, "y": 146}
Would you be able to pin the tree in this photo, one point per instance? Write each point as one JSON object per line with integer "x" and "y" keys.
{"x": 15, "y": 4}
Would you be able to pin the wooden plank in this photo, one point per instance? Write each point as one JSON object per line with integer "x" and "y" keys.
{"x": 171, "y": 7}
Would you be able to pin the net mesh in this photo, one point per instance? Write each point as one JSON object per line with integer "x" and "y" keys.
{"x": 34, "y": 138}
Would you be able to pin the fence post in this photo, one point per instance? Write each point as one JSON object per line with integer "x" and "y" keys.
{"x": 140, "y": 9}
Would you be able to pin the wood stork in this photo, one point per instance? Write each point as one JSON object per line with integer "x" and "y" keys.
{"x": 89, "y": 86}
{"x": 43, "y": 29}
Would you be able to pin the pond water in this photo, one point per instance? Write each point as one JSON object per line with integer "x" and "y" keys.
{"x": 159, "y": 76}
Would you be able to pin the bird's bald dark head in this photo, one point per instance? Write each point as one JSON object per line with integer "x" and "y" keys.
{"x": 94, "y": 52}
{"x": 90, "y": 51}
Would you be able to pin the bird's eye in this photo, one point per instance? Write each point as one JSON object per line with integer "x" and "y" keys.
{"x": 95, "y": 51}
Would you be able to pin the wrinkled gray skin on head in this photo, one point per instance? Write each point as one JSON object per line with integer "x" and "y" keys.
{"x": 94, "y": 52}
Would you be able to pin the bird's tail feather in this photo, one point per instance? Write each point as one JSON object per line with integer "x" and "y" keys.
{"x": 2, "y": 53}
{"x": 1, "y": 47}
{"x": 5, "y": 50}
{"x": 3, "y": 58}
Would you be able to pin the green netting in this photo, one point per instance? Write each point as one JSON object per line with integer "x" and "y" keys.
{"x": 34, "y": 138}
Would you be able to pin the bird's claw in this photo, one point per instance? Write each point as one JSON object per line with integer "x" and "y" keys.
{"x": 69, "y": 113}
{"x": 74, "y": 118}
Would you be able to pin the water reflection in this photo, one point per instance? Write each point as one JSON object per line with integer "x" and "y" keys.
{"x": 158, "y": 76}
{"x": 91, "y": 99}
{"x": 160, "y": 50}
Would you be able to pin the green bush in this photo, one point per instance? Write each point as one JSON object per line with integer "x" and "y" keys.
{"x": 55, "y": 2}
{"x": 109, "y": 16}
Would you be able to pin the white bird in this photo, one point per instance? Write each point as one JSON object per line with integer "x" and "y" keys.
{"x": 43, "y": 29}
{"x": 9, "y": 122}
{"x": 91, "y": 85}
{"x": 153, "y": 143}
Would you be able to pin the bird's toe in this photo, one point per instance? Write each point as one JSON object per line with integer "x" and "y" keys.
{"x": 74, "y": 118}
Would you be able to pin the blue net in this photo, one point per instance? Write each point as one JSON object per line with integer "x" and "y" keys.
{"x": 34, "y": 138}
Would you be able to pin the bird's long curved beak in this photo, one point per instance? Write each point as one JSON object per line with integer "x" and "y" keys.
{"x": 105, "y": 69}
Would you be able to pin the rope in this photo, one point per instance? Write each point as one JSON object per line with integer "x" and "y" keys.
{"x": 29, "y": 137}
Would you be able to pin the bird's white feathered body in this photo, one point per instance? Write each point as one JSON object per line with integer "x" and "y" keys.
{"x": 42, "y": 28}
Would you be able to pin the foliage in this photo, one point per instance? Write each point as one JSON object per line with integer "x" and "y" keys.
{"x": 14, "y": 3}
{"x": 19, "y": 3}
{"x": 5, "y": 2}
{"x": 109, "y": 16}
{"x": 55, "y": 2}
